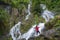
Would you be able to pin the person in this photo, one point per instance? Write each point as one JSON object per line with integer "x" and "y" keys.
{"x": 37, "y": 29}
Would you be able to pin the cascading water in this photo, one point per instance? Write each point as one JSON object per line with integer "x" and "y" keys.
{"x": 15, "y": 31}
{"x": 28, "y": 11}
{"x": 47, "y": 15}
{"x": 32, "y": 33}
{"x": 29, "y": 33}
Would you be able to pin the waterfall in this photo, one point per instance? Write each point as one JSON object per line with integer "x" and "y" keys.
{"x": 15, "y": 31}
{"x": 28, "y": 11}
{"x": 47, "y": 15}
{"x": 32, "y": 33}
{"x": 29, "y": 33}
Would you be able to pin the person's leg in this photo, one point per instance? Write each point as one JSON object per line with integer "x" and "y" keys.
{"x": 38, "y": 32}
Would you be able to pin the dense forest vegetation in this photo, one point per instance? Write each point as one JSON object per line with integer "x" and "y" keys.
{"x": 13, "y": 11}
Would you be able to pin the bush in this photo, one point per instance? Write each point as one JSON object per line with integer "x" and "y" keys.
{"x": 4, "y": 24}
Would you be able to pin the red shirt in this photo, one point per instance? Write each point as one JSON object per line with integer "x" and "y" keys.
{"x": 37, "y": 28}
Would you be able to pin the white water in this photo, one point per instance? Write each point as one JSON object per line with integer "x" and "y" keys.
{"x": 15, "y": 31}
{"x": 43, "y": 6}
{"x": 32, "y": 33}
{"x": 29, "y": 33}
{"x": 27, "y": 16}
{"x": 47, "y": 15}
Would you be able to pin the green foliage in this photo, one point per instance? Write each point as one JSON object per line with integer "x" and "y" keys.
{"x": 36, "y": 7}
{"x": 53, "y": 23}
{"x": 53, "y": 5}
{"x": 57, "y": 21}
{"x": 15, "y": 3}
{"x": 4, "y": 19}
{"x": 36, "y": 19}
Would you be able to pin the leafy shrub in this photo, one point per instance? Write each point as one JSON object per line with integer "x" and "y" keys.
{"x": 4, "y": 24}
